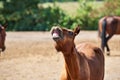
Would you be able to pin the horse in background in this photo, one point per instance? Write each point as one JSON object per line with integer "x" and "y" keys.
{"x": 108, "y": 26}
{"x": 2, "y": 37}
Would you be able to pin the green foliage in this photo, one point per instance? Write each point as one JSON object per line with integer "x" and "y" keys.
{"x": 19, "y": 14}
{"x": 84, "y": 16}
{"x": 26, "y": 15}
{"x": 109, "y": 8}
{"x": 88, "y": 16}
{"x": 42, "y": 1}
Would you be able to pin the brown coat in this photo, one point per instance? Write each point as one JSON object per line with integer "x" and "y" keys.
{"x": 82, "y": 62}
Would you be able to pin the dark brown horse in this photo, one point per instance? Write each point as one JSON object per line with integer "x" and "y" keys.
{"x": 84, "y": 62}
{"x": 108, "y": 26}
{"x": 2, "y": 37}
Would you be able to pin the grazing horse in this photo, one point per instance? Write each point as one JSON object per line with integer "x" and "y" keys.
{"x": 108, "y": 26}
{"x": 2, "y": 37}
{"x": 82, "y": 62}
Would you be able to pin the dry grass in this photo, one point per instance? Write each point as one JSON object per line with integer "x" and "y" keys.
{"x": 31, "y": 56}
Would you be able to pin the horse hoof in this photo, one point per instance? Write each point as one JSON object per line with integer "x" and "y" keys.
{"x": 108, "y": 54}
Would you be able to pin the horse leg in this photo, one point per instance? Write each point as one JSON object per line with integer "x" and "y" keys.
{"x": 106, "y": 44}
{"x": 103, "y": 45}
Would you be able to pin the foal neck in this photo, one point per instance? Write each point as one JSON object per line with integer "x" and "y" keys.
{"x": 75, "y": 64}
{"x": 72, "y": 64}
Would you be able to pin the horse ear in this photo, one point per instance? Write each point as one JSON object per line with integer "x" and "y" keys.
{"x": 77, "y": 30}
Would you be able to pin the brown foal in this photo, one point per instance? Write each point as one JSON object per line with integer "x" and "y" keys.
{"x": 82, "y": 62}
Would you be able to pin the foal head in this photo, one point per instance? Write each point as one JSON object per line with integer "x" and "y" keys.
{"x": 2, "y": 37}
{"x": 64, "y": 38}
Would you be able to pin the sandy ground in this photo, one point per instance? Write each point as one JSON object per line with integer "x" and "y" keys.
{"x": 31, "y": 56}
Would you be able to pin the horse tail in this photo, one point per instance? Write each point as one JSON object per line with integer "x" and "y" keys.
{"x": 103, "y": 34}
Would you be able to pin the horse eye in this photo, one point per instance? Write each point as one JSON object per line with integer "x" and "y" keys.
{"x": 71, "y": 33}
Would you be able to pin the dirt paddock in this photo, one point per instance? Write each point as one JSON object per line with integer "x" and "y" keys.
{"x": 31, "y": 56}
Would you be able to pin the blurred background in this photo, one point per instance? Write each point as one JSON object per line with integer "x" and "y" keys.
{"x": 41, "y": 15}
{"x": 30, "y": 52}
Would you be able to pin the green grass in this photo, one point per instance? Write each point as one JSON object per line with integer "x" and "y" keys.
{"x": 96, "y": 4}
{"x": 71, "y": 7}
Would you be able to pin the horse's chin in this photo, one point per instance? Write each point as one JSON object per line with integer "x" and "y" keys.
{"x": 57, "y": 39}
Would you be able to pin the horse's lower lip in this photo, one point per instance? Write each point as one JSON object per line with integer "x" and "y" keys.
{"x": 56, "y": 38}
